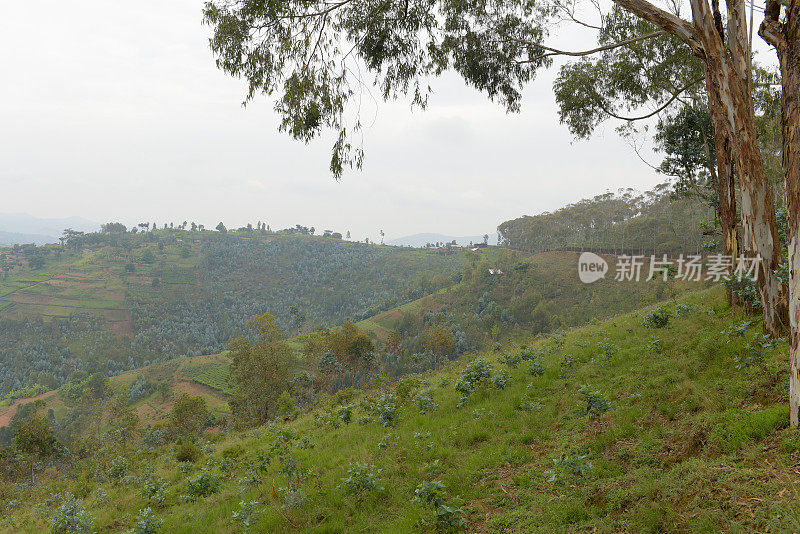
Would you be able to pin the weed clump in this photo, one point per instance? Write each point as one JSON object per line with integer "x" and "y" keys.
{"x": 658, "y": 318}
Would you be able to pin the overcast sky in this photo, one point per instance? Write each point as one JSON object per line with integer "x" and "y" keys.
{"x": 115, "y": 111}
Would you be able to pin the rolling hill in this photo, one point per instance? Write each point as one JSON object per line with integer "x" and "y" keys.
{"x": 671, "y": 418}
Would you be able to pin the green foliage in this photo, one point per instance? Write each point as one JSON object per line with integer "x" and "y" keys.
{"x": 189, "y": 415}
{"x": 570, "y": 466}
{"x": 596, "y": 403}
{"x": 736, "y": 427}
{"x": 202, "y": 484}
{"x": 658, "y": 318}
{"x": 386, "y": 409}
{"x": 118, "y": 468}
{"x": 71, "y": 518}
{"x": 611, "y": 223}
{"x": 260, "y": 370}
{"x": 147, "y": 523}
{"x": 303, "y": 53}
{"x": 424, "y": 401}
{"x": 248, "y": 511}
{"x": 154, "y": 490}
{"x": 448, "y": 518}
{"x": 361, "y": 479}
{"x": 186, "y": 451}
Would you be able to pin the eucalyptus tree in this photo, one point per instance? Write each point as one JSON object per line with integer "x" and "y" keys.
{"x": 317, "y": 58}
{"x": 781, "y": 29}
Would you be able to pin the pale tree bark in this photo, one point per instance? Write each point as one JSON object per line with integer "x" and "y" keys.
{"x": 725, "y": 176}
{"x": 785, "y": 37}
{"x": 729, "y": 88}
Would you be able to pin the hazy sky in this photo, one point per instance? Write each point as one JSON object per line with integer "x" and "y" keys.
{"x": 115, "y": 111}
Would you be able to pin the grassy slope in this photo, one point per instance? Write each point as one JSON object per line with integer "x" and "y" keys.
{"x": 689, "y": 443}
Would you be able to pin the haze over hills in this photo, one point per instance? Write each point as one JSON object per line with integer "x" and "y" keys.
{"x": 420, "y": 240}
{"x": 20, "y": 228}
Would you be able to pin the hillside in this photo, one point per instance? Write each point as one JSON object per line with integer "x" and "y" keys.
{"x": 655, "y": 222}
{"x": 667, "y": 419}
{"x": 533, "y": 295}
{"x": 114, "y": 302}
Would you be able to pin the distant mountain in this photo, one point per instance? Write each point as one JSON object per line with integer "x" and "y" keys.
{"x": 24, "y": 228}
{"x": 420, "y": 240}
{"x": 14, "y": 238}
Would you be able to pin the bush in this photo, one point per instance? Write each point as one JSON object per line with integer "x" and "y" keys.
{"x": 203, "y": 484}
{"x": 345, "y": 413}
{"x": 448, "y": 518}
{"x": 118, "y": 469}
{"x": 146, "y": 522}
{"x": 386, "y": 409}
{"x": 71, "y": 517}
{"x": 575, "y": 466}
{"x": 155, "y": 491}
{"x": 424, "y": 401}
{"x": 186, "y": 451}
{"x": 480, "y": 373}
{"x": 361, "y": 479}
{"x": 247, "y": 512}
{"x": 596, "y": 403}
{"x": 658, "y": 318}
{"x": 286, "y": 408}
{"x": 535, "y": 368}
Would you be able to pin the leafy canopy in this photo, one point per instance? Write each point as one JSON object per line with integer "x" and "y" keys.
{"x": 313, "y": 56}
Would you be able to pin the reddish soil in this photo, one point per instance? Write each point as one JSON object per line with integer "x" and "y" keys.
{"x": 23, "y": 298}
{"x": 11, "y": 411}
{"x": 122, "y": 328}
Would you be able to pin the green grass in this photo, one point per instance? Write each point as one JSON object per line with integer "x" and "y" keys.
{"x": 212, "y": 374}
{"x": 688, "y": 443}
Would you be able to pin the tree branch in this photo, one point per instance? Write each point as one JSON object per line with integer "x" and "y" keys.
{"x": 557, "y": 52}
{"x": 771, "y": 29}
{"x": 657, "y": 111}
{"x": 672, "y": 24}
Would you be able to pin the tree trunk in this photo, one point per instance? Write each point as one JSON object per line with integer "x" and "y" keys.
{"x": 731, "y": 87}
{"x": 785, "y": 37}
{"x": 725, "y": 185}
{"x": 728, "y": 86}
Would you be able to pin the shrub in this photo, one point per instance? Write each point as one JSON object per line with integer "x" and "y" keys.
{"x": 203, "y": 484}
{"x": 596, "y": 403}
{"x": 658, "y": 318}
{"x": 575, "y": 466}
{"x": 737, "y": 329}
{"x": 71, "y": 517}
{"x": 535, "y": 368}
{"x": 429, "y": 493}
{"x": 386, "y": 409}
{"x": 285, "y": 407}
{"x": 118, "y": 469}
{"x": 186, "y": 451}
{"x": 448, "y": 518}
{"x": 361, "y": 479}
{"x": 345, "y": 413}
{"x": 512, "y": 360}
{"x": 501, "y": 379}
{"x": 146, "y": 522}
{"x": 155, "y": 491}
{"x": 424, "y": 401}
{"x": 476, "y": 374}
{"x": 247, "y": 512}
{"x": 608, "y": 349}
